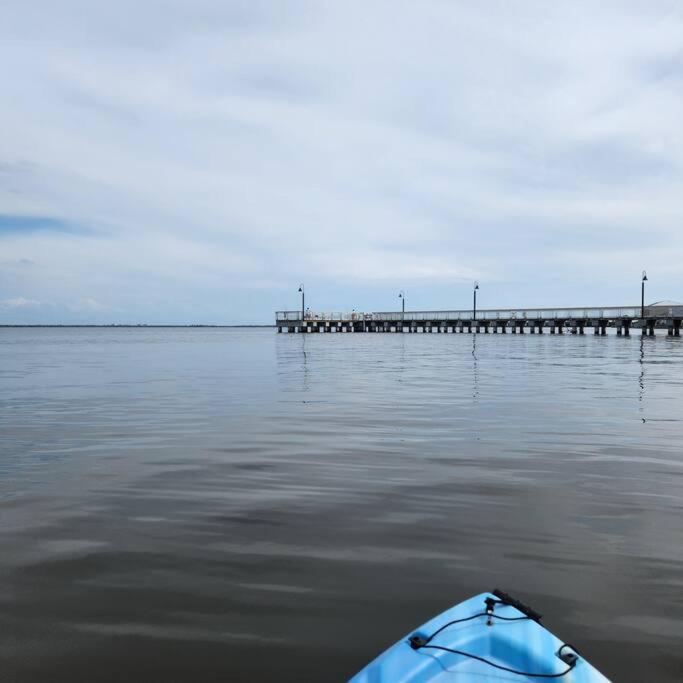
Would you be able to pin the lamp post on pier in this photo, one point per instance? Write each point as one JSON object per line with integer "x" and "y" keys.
{"x": 402, "y": 297}
{"x": 303, "y": 301}
{"x": 642, "y": 296}
{"x": 474, "y": 307}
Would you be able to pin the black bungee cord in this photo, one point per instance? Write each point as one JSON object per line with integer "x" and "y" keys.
{"x": 418, "y": 642}
{"x": 528, "y": 674}
{"x": 459, "y": 621}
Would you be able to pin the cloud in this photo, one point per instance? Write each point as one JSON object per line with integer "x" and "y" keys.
{"x": 24, "y": 224}
{"x": 197, "y": 163}
{"x": 18, "y": 302}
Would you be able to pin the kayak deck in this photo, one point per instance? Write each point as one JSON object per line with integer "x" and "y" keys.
{"x": 512, "y": 641}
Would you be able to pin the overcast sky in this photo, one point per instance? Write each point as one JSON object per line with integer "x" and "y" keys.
{"x": 194, "y": 161}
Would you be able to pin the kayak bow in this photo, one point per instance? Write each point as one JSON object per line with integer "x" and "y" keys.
{"x": 489, "y": 638}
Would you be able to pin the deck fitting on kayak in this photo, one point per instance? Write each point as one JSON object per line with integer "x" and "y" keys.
{"x": 490, "y": 602}
{"x": 568, "y": 657}
{"x": 417, "y": 641}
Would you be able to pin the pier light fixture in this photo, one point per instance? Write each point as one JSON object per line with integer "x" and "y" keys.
{"x": 402, "y": 297}
{"x": 303, "y": 302}
{"x": 474, "y": 307}
{"x": 642, "y": 295}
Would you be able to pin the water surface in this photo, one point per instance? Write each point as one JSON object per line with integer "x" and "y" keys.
{"x": 217, "y": 504}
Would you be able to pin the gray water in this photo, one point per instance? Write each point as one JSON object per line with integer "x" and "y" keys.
{"x": 237, "y": 505}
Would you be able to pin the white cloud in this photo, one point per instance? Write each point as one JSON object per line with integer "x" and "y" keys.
{"x": 18, "y": 302}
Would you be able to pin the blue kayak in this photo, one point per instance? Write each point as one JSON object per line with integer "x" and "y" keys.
{"x": 489, "y": 638}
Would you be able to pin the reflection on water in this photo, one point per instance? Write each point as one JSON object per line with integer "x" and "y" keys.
{"x": 475, "y": 362}
{"x": 641, "y": 377}
{"x": 207, "y": 504}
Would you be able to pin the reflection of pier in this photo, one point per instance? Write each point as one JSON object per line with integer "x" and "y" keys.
{"x": 514, "y": 321}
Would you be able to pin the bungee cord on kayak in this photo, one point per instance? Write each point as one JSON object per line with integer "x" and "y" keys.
{"x": 505, "y": 668}
{"x": 503, "y": 599}
{"x": 418, "y": 642}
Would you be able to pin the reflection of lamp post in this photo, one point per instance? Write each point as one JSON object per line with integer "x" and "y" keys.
{"x": 642, "y": 295}
{"x": 474, "y": 316}
{"x": 303, "y": 299}
{"x": 402, "y": 297}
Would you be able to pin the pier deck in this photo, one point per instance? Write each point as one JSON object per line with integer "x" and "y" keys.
{"x": 516, "y": 321}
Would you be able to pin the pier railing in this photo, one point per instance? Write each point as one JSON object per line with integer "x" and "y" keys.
{"x": 592, "y": 313}
{"x": 514, "y": 314}
{"x": 290, "y": 316}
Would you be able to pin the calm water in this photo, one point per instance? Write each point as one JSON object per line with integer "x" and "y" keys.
{"x": 237, "y": 505}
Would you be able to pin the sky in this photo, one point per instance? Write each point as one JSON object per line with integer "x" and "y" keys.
{"x": 196, "y": 161}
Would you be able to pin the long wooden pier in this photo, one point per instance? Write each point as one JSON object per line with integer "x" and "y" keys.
{"x": 514, "y": 321}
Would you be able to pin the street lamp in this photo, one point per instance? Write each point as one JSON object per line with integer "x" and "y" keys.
{"x": 642, "y": 295}
{"x": 303, "y": 299}
{"x": 402, "y": 297}
{"x": 474, "y": 316}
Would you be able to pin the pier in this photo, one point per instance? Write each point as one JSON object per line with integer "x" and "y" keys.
{"x": 505, "y": 321}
